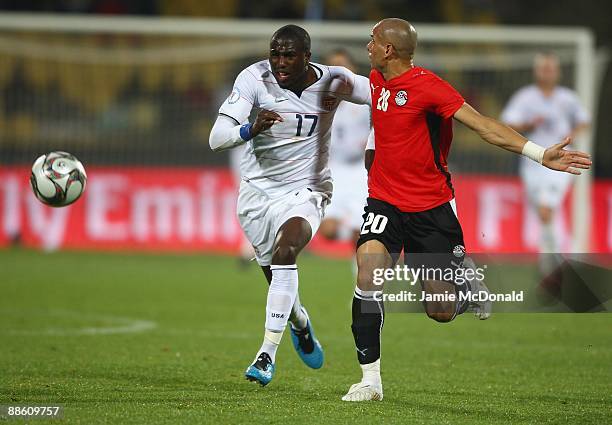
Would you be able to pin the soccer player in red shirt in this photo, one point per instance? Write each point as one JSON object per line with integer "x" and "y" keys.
{"x": 411, "y": 199}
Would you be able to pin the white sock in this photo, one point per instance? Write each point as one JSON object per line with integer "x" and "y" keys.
{"x": 270, "y": 344}
{"x": 281, "y": 296}
{"x": 298, "y": 318}
{"x": 371, "y": 373}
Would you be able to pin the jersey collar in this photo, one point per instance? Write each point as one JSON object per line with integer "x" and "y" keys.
{"x": 407, "y": 73}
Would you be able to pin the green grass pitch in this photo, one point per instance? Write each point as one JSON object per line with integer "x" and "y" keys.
{"x": 134, "y": 338}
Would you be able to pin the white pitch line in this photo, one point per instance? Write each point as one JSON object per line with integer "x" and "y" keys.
{"x": 122, "y": 325}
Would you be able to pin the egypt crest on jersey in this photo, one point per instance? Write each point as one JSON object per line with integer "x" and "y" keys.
{"x": 292, "y": 153}
{"x": 401, "y": 98}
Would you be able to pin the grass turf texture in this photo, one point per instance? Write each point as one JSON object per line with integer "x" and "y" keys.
{"x": 56, "y": 308}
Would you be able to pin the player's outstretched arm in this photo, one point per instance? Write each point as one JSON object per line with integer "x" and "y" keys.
{"x": 498, "y": 134}
{"x": 349, "y": 86}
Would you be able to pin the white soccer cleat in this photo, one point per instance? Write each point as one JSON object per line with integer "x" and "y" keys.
{"x": 364, "y": 391}
{"x": 482, "y": 309}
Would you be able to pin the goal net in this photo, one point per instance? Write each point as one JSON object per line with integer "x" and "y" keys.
{"x": 145, "y": 91}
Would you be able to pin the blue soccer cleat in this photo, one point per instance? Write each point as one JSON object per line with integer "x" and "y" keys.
{"x": 261, "y": 371}
{"x": 307, "y": 345}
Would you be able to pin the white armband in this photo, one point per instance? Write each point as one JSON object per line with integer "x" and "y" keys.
{"x": 533, "y": 151}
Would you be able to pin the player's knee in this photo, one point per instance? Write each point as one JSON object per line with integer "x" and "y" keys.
{"x": 370, "y": 277}
{"x": 440, "y": 312}
{"x": 285, "y": 254}
{"x": 365, "y": 279}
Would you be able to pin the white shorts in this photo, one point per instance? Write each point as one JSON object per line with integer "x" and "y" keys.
{"x": 261, "y": 216}
{"x": 544, "y": 187}
{"x": 350, "y": 194}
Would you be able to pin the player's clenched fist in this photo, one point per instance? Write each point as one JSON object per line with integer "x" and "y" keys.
{"x": 265, "y": 119}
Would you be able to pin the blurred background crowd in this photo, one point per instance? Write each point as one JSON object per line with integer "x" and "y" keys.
{"x": 112, "y": 108}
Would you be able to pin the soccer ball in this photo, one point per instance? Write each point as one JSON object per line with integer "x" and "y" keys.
{"x": 58, "y": 179}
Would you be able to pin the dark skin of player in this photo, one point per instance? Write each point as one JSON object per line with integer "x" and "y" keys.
{"x": 290, "y": 64}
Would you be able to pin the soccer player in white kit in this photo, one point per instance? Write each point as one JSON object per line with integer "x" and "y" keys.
{"x": 246, "y": 249}
{"x": 547, "y": 113}
{"x": 286, "y": 182}
{"x": 350, "y": 133}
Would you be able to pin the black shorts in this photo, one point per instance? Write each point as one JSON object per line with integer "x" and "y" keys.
{"x": 434, "y": 231}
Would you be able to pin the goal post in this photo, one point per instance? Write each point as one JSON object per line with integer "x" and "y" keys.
{"x": 118, "y": 77}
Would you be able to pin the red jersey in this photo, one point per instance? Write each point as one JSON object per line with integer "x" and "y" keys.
{"x": 413, "y": 129}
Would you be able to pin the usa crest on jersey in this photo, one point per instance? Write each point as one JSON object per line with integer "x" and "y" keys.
{"x": 329, "y": 103}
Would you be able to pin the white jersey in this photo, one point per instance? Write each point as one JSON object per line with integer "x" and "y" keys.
{"x": 293, "y": 153}
{"x": 350, "y": 133}
{"x": 561, "y": 112}
{"x": 235, "y": 157}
